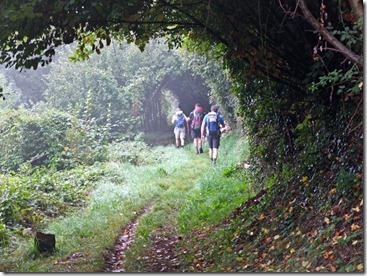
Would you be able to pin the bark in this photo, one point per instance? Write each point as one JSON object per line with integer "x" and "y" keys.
{"x": 357, "y": 8}
{"x": 340, "y": 47}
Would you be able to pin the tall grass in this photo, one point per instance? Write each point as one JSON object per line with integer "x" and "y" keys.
{"x": 172, "y": 181}
{"x": 124, "y": 191}
{"x": 221, "y": 188}
{"x": 200, "y": 195}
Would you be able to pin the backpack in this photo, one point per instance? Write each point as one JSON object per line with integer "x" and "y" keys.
{"x": 212, "y": 123}
{"x": 197, "y": 119}
{"x": 180, "y": 120}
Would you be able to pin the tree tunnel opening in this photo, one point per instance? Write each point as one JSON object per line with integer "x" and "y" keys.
{"x": 182, "y": 91}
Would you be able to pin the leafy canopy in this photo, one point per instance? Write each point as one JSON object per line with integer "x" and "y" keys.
{"x": 272, "y": 36}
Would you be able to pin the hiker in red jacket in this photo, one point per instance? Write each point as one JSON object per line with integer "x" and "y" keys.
{"x": 196, "y": 118}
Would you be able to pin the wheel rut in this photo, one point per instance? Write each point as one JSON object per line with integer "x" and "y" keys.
{"x": 115, "y": 260}
{"x": 160, "y": 256}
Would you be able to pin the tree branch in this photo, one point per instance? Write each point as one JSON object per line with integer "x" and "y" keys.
{"x": 357, "y": 8}
{"x": 328, "y": 36}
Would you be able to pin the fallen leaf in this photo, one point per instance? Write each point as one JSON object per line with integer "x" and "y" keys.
{"x": 240, "y": 259}
{"x": 261, "y": 217}
{"x": 332, "y": 268}
{"x": 355, "y": 227}
{"x": 360, "y": 267}
{"x": 266, "y": 231}
{"x": 276, "y": 237}
{"x": 292, "y": 250}
{"x": 356, "y": 209}
{"x": 305, "y": 263}
{"x": 332, "y": 191}
{"x": 327, "y": 220}
{"x": 229, "y": 250}
{"x": 346, "y": 217}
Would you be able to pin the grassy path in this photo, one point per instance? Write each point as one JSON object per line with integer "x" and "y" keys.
{"x": 84, "y": 237}
{"x": 200, "y": 219}
{"x": 160, "y": 232}
{"x": 150, "y": 246}
{"x": 183, "y": 190}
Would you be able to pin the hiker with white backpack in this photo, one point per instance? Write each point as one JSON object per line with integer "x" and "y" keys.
{"x": 211, "y": 128}
{"x": 180, "y": 119}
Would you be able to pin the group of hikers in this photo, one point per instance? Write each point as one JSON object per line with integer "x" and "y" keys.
{"x": 201, "y": 126}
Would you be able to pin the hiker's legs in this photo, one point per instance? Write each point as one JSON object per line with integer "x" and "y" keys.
{"x": 196, "y": 141}
{"x": 215, "y": 153}
{"x": 200, "y": 146}
{"x": 182, "y": 136}
{"x": 176, "y": 131}
{"x": 210, "y": 144}
{"x": 215, "y": 150}
{"x": 196, "y": 135}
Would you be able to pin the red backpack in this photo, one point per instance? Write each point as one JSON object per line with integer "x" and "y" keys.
{"x": 197, "y": 119}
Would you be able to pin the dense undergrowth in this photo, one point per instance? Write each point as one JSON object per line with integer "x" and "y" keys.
{"x": 226, "y": 221}
{"x": 46, "y": 199}
{"x": 289, "y": 228}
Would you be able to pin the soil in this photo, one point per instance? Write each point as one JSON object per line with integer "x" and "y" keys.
{"x": 161, "y": 257}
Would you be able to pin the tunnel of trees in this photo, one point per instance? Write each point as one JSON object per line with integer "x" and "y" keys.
{"x": 84, "y": 83}
{"x": 295, "y": 67}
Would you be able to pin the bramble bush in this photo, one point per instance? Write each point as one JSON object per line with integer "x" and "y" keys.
{"x": 32, "y": 196}
{"x": 49, "y": 138}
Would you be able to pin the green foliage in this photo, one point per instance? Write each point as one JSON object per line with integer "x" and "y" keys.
{"x": 49, "y": 138}
{"x": 8, "y": 97}
{"x": 33, "y": 196}
{"x": 350, "y": 81}
{"x": 134, "y": 152}
{"x": 345, "y": 182}
{"x": 219, "y": 191}
{"x": 4, "y": 235}
{"x": 26, "y": 135}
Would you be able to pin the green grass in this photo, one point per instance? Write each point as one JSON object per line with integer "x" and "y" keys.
{"x": 217, "y": 192}
{"x": 198, "y": 189}
{"x": 118, "y": 197}
{"x": 175, "y": 182}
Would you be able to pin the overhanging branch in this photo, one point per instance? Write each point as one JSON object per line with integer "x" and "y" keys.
{"x": 328, "y": 36}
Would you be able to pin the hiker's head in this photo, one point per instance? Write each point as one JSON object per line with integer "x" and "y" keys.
{"x": 197, "y": 105}
{"x": 214, "y": 108}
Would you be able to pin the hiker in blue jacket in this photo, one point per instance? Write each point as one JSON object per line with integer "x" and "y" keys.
{"x": 211, "y": 126}
{"x": 179, "y": 119}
